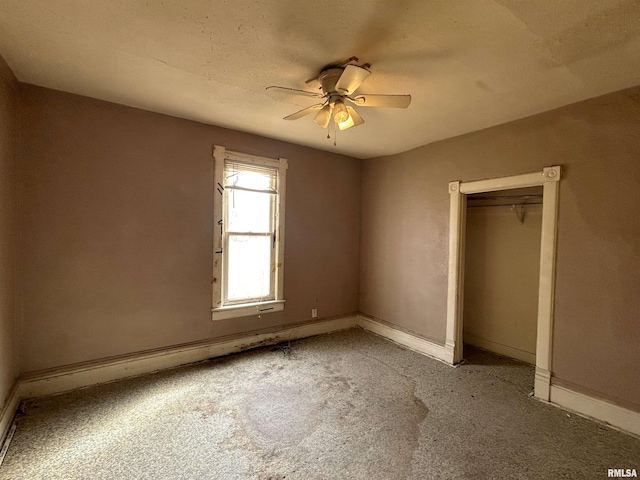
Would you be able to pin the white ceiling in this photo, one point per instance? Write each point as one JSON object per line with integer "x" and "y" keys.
{"x": 467, "y": 64}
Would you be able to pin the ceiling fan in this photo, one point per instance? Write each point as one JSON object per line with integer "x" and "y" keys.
{"x": 338, "y": 83}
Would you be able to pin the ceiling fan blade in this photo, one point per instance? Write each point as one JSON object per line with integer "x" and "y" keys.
{"x": 294, "y": 91}
{"x": 353, "y": 121}
{"x": 391, "y": 101}
{"x": 351, "y": 79}
{"x": 304, "y": 111}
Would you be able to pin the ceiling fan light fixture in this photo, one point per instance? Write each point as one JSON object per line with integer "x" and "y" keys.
{"x": 348, "y": 123}
{"x": 339, "y": 84}
{"x": 353, "y": 121}
{"x": 323, "y": 117}
{"x": 340, "y": 113}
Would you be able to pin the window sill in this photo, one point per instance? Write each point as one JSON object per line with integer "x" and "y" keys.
{"x": 247, "y": 309}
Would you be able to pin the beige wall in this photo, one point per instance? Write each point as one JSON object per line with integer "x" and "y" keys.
{"x": 502, "y": 270}
{"x": 116, "y": 232}
{"x": 115, "y": 206}
{"x": 405, "y": 216}
{"x": 8, "y": 132}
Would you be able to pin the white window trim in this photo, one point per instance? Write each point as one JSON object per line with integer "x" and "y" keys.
{"x": 218, "y": 310}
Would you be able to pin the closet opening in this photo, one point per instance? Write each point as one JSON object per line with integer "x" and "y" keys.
{"x": 459, "y": 194}
{"x": 502, "y": 271}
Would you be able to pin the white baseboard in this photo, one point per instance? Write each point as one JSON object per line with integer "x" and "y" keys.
{"x": 501, "y": 349}
{"x": 542, "y": 384}
{"x": 412, "y": 342}
{"x": 95, "y": 373}
{"x": 615, "y": 415}
{"x": 619, "y": 417}
{"x": 8, "y": 411}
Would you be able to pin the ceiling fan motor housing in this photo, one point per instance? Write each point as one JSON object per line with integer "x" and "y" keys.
{"x": 328, "y": 79}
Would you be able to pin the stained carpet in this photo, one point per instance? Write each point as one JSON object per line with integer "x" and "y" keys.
{"x": 348, "y": 405}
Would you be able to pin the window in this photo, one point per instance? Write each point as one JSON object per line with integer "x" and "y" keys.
{"x": 248, "y": 236}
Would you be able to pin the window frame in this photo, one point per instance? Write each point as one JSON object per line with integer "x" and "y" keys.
{"x": 222, "y": 309}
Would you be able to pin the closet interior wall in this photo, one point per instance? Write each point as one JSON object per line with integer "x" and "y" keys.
{"x": 502, "y": 265}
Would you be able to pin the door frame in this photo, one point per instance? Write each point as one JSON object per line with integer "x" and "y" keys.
{"x": 549, "y": 179}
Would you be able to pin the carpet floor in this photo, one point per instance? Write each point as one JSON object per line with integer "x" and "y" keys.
{"x": 348, "y": 405}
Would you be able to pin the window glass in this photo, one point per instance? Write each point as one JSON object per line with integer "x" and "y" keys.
{"x": 249, "y": 269}
{"x": 249, "y": 211}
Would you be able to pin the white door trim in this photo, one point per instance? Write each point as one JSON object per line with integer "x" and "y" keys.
{"x": 549, "y": 179}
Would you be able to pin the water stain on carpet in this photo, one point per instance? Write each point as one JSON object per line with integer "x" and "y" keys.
{"x": 281, "y": 414}
{"x": 305, "y": 409}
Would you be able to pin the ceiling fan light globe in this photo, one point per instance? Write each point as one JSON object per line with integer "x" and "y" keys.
{"x": 341, "y": 117}
{"x": 323, "y": 117}
{"x": 340, "y": 114}
{"x": 348, "y": 123}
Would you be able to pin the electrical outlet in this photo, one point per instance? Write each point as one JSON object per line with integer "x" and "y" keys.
{"x": 314, "y": 313}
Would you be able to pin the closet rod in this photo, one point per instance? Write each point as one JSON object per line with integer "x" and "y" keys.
{"x": 504, "y": 197}
{"x": 505, "y": 204}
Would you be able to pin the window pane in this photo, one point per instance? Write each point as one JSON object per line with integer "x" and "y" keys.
{"x": 249, "y": 267}
{"x": 248, "y": 211}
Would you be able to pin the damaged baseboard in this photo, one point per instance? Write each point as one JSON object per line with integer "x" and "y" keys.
{"x": 84, "y": 375}
{"x": 79, "y": 376}
{"x": 408, "y": 340}
{"x": 597, "y": 409}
